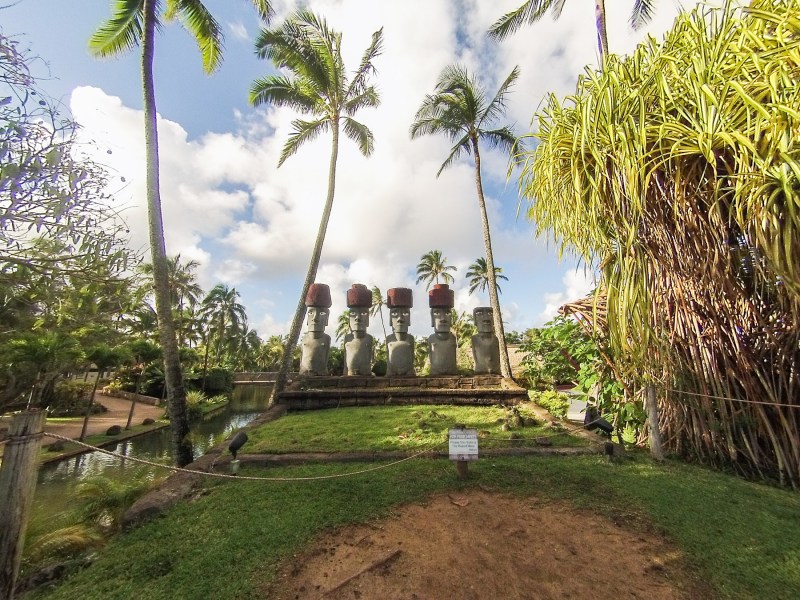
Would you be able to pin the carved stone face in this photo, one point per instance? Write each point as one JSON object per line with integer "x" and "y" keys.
{"x": 400, "y": 318}
{"x": 441, "y": 320}
{"x": 359, "y": 319}
{"x": 317, "y": 318}
{"x": 483, "y": 319}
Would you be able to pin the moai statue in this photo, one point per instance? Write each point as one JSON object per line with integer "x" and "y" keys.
{"x": 358, "y": 344}
{"x": 442, "y": 344}
{"x": 400, "y": 345}
{"x": 485, "y": 346}
{"x": 316, "y": 343}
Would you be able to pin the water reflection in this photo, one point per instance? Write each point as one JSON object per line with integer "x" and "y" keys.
{"x": 57, "y": 480}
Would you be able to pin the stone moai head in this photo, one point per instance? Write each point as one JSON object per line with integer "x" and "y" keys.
{"x": 484, "y": 320}
{"x": 359, "y": 301}
{"x": 441, "y": 300}
{"x": 400, "y": 301}
{"x": 318, "y": 301}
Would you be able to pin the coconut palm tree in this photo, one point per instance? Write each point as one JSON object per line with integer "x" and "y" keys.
{"x": 226, "y": 318}
{"x": 133, "y": 23}
{"x": 459, "y": 110}
{"x": 433, "y": 265}
{"x": 184, "y": 290}
{"x": 478, "y": 275}
{"x": 317, "y": 85}
{"x": 533, "y": 10}
{"x": 377, "y": 306}
{"x": 343, "y": 326}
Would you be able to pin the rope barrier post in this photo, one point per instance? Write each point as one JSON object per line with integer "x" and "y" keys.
{"x": 654, "y": 432}
{"x": 17, "y": 485}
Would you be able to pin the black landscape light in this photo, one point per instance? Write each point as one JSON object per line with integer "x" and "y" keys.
{"x": 592, "y": 420}
{"x": 237, "y": 442}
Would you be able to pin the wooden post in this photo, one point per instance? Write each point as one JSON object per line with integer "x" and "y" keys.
{"x": 654, "y": 433}
{"x": 462, "y": 469}
{"x": 17, "y": 484}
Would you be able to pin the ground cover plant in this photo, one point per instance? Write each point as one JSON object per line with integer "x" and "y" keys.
{"x": 237, "y": 533}
{"x": 397, "y": 428}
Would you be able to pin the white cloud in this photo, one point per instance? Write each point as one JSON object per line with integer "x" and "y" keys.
{"x": 577, "y": 284}
{"x": 238, "y": 30}
{"x": 252, "y": 224}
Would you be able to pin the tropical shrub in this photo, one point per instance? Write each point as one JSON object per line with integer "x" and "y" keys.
{"x": 676, "y": 171}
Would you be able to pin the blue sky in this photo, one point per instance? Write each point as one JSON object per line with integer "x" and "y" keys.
{"x": 252, "y": 225}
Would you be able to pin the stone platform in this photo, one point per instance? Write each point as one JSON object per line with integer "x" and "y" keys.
{"x": 311, "y": 393}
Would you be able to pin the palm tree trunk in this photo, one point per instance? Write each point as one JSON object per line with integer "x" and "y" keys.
{"x": 494, "y": 300}
{"x": 299, "y": 314}
{"x": 176, "y": 394}
{"x": 89, "y": 408}
{"x": 600, "y": 22}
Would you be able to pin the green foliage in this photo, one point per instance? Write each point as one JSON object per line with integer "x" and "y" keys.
{"x": 70, "y": 398}
{"x": 556, "y": 403}
{"x": 336, "y": 361}
{"x": 553, "y": 351}
{"x": 219, "y": 381}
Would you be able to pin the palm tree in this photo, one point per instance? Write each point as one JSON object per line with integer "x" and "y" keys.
{"x": 225, "y": 318}
{"x": 433, "y": 265}
{"x": 533, "y": 10}
{"x": 133, "y": 23}
{"x": 458, "y": 109}
{"x": 184, "y": 290}
{"x": 343, "y": 326}
{"x": 377, "y": 306}
{"x": 317, "y": 86}
{"x": 478, "y": 275}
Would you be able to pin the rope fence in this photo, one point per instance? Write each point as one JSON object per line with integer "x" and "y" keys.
{"x": 781, "y": 404}
{"x": 289, "y": 479}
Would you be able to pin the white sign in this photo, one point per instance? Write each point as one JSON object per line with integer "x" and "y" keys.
{"x": 463, "y": 444}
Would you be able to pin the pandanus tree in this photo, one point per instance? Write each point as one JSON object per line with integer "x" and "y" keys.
{"x": 433, "y": 265}
{"x": 315, "y": 82}
{"x": 459, "y": 110}
{"x": 133, "y": 23}
{"x": 683, "y": 191}
{"x": 533, "y": 10}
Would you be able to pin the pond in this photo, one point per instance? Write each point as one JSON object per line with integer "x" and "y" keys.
{"x": 57, "y": 480}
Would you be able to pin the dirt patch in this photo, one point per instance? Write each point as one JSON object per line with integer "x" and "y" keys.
{"x": 479, "y": 545}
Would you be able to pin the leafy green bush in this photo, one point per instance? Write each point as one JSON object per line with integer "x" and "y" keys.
{"x": 554, "y": 402}
{"x": 71, "y": 398}
{"x": 219, "y": 381}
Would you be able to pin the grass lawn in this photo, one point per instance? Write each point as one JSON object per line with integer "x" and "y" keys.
{"x": 392, "y": 428}
{"x": 741, "y": 537}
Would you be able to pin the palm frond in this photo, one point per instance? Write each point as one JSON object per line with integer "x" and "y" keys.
{"x": 642, "y": 13}
{"x": 304, "y": 131}
{"x": 531, "y": 11}
{"x": 360, "y": 134}
{"x": 282, "y": 91}
{"x": 365, "y": 67}
{"x": 497, "y": 106}
{"x": 368, "y": 98}
{"x": 462, "y": 146}
{"x": 203, "y": 27}
{"x": 502, "y": 138}
{"x": 122, "y": 32}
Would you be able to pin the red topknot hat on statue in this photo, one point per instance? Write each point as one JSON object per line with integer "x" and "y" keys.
{"x": 319, "y": 294}
{"x": 399, "y": 298}
{"x": 441, "y": 296}
{"x": 359, "y": 296}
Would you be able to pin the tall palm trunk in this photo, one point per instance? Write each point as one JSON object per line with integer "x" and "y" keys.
{"x": 297, "y": 322}
{"x": 600, "y": 21}
{"x": 176, "y": 394}
{"x": 494, "y": 300}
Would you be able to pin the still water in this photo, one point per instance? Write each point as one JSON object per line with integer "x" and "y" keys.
{"x": 57, "y": 480}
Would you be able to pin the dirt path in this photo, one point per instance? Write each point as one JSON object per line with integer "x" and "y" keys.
{"x": 480, "y": 545}
{"x": 117, "y": 414}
